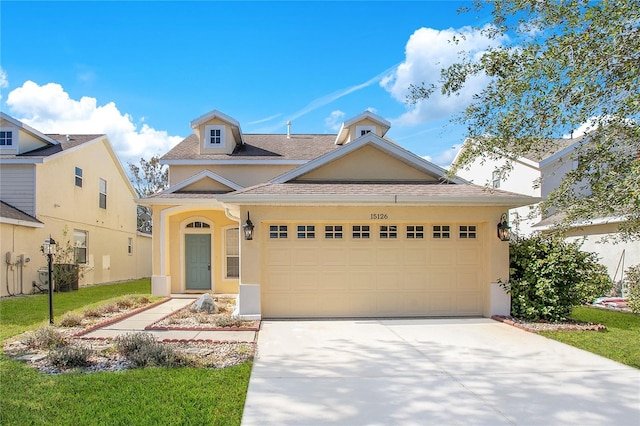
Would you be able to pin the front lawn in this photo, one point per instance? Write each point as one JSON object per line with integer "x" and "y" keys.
{"x": 138, "y": 397}
{"x": 620, "y": 342}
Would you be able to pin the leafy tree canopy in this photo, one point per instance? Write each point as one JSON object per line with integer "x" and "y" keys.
{"x": 148, "y": 178}
{"x": 559, "y": 66}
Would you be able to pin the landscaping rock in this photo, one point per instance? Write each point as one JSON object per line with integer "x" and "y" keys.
{"x": 204, "y": 304}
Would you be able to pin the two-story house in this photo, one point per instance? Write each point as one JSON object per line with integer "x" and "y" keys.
{"x": 74, "y": 189}
{"x": 341, "y": 225}
{"x": 538, "y": 174}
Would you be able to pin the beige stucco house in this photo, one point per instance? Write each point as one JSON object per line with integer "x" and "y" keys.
{"x": 73, "y": 188}
{"x": 346, "y": 225}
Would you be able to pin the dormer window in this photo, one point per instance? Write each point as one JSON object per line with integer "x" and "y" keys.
{"x": 6, "y": 139}
{"x": 215, "y": 135}
{"x": 363, "y": 130}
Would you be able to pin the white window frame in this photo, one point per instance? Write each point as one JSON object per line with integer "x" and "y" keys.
{"x": 14, "y": 138}
{"x": 361, "y": 233}
{"x": 333, "y": 232}
{"x": 228, "y": 255}
{"x": 363, "y": 130}
{"x": 278, "y": 232}
{"x": 306, "y": 232}
{"x": 80, "y": 242}
{"x": 388, "y": 232}
{"x": 207, "y": 134}
{"x": 468, "y": 232}
{"x": 78, "y": 177}
{"x": 415, "y": 232}
{"x": 103, "y": 194}
{"x": 495, "y": 179}
{"x": 441, "y": 232}
{"x": 130, "y": 246}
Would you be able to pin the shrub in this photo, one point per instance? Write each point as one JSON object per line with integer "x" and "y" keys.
{"x": 632, "y": 284}
{"x": 45, "y": 337}
{"x": 143, "y": 350}
{"x": 70, "y": 319}
{"x": 109, "y": 308}
{"x": 229, "y": 322}
{"x": 92, "y": 312}
{"x": 70, "y": 356}
{"x": 549, "y": 276}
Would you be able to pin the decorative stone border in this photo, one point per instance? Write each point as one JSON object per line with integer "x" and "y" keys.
{"x": 117, "y": 318}
{"x": 538, "y": 327}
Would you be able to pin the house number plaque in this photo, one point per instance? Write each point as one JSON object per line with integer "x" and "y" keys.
{"x": 379, "y": 216}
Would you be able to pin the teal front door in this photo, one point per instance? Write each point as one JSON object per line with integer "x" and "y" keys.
{"x": 197, "y": 262}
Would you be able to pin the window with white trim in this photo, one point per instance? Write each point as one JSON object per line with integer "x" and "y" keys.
{"x": 441, "y": 231}
{"x": 78, "y": 177}
{"x": 130, "y": 247}
{"x": 363, "y": 130}
{"x": 80, "y": 238}
{"x": 214, "y": 135}
{"x": 198, "y": 225}
{"x": 415, "y": 232}
{"x": 306, "y": 232}
{"x": 232, "y": 252}
{"x": 277, "y": 231}
{"x": 6, "y": 139}
{"x": 388, "y": 232}
{"x": 360, "y": 231}
{"x": 103, "y": 194}
{"x": 333, "y": 232}
{"x": 468, "y": 232}
{"x": 495, "y": 179}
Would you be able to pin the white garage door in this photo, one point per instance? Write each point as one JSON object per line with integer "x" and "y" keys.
{"x": 371, "y": 270}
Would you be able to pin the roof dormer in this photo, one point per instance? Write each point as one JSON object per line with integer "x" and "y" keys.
{"x": 360, "y": 125}
{"x": 18, "y": 138}
{"x": 218, "y": 133}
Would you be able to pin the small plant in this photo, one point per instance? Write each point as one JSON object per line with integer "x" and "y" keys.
{"x": 71, "y": 319}
{"x": 143, "y": 350}
{"x": 229, "y": 322}
{"x": 109, "y": 308}
{"x": 70, "y": 356}
{"x": 92, "y": 312}
{"x": 44, "y": 338}
{"x": 632, "y": 284}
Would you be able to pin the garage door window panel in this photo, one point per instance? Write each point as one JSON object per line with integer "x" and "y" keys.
{"x": 333, "y": 232}
{"x": 388, "y": 232}
{"x": 468, "y": 232}
{"x": 441, "y": 232}
{"x": 278, "y": 231}
{"x": 361, "y": 232}
{"x": 415, "y": 232}
{"x": 306, "y": 232}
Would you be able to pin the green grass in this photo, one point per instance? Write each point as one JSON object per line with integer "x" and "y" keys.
{"x": 185, "y": 396}
{"x": 20, "y": 314}
{"x": 620, "y": 342}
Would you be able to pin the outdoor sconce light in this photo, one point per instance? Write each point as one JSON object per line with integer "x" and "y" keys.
{"x": 503, "y": 228}
{"x": 49, "y": 248}
{"x": 247, "y": 228}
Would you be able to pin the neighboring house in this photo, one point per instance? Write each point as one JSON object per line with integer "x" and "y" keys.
{"x": 346, "y": 225}
{"x": 73, "y": 188}
{"x": 539, "y": 174}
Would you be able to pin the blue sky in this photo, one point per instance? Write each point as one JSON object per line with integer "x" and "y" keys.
{"x": 141, "y": 71}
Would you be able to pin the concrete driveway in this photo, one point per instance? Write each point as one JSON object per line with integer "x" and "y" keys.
{"x": 435, "y": 371}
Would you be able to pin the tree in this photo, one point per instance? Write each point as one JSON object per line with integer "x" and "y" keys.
{"x": 559, "y": 65}
{"x": 149, "y": 178}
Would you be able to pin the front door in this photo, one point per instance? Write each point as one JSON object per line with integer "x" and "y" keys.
{"x": 197, "y": 261}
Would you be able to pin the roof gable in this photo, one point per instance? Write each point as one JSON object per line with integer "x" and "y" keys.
{"x": 348, "y": 128}
{"x": 374, "y": 148}
{"x": 204, "y": 181}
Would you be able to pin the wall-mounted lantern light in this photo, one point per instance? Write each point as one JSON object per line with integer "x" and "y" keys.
{"x": 504, "y": 230}
{"x": 49, "y": 248}
{"x": 247, "y": 228}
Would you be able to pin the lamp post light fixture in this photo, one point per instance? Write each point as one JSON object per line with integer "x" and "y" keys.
{"x": 49, "y": 248}
{"x": 247, "y": 228}
{"x": 504, "y": 230}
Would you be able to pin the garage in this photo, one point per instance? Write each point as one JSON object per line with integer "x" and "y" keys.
{"x": 372, "y": 269}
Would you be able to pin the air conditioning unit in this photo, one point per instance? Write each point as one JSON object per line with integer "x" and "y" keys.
{"x": 43, "y": 277}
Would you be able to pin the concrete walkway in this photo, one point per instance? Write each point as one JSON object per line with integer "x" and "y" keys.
{"x": 138, "y": 322}
{"x": 431, "y": 372}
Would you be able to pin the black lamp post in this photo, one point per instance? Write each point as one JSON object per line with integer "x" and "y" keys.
{"x": 504, "y": 229}
{"x": 247, "y": 228}
{"x": 49, "y": 248}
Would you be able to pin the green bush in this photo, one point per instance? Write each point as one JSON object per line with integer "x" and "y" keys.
{"x": 549, "y": 276}
{"x": 70, "y": 356}
{"x": 632, "y": 284}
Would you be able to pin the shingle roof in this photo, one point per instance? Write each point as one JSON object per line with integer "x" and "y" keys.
{"x": 387, "y": 192}
{"x": 7, "y": 211}
{"x": 260, "y": 147}
{"x": 45, "y": 151}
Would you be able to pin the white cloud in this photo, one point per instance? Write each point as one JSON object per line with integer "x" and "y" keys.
{"x": 264, "y": 120}
{"x": 49, "y": 109}
{"x": 334, "y": 120}
{"x": 444, "y": 158}
{"x": 4, "y": 81}
{"x": 426, "y": 53}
